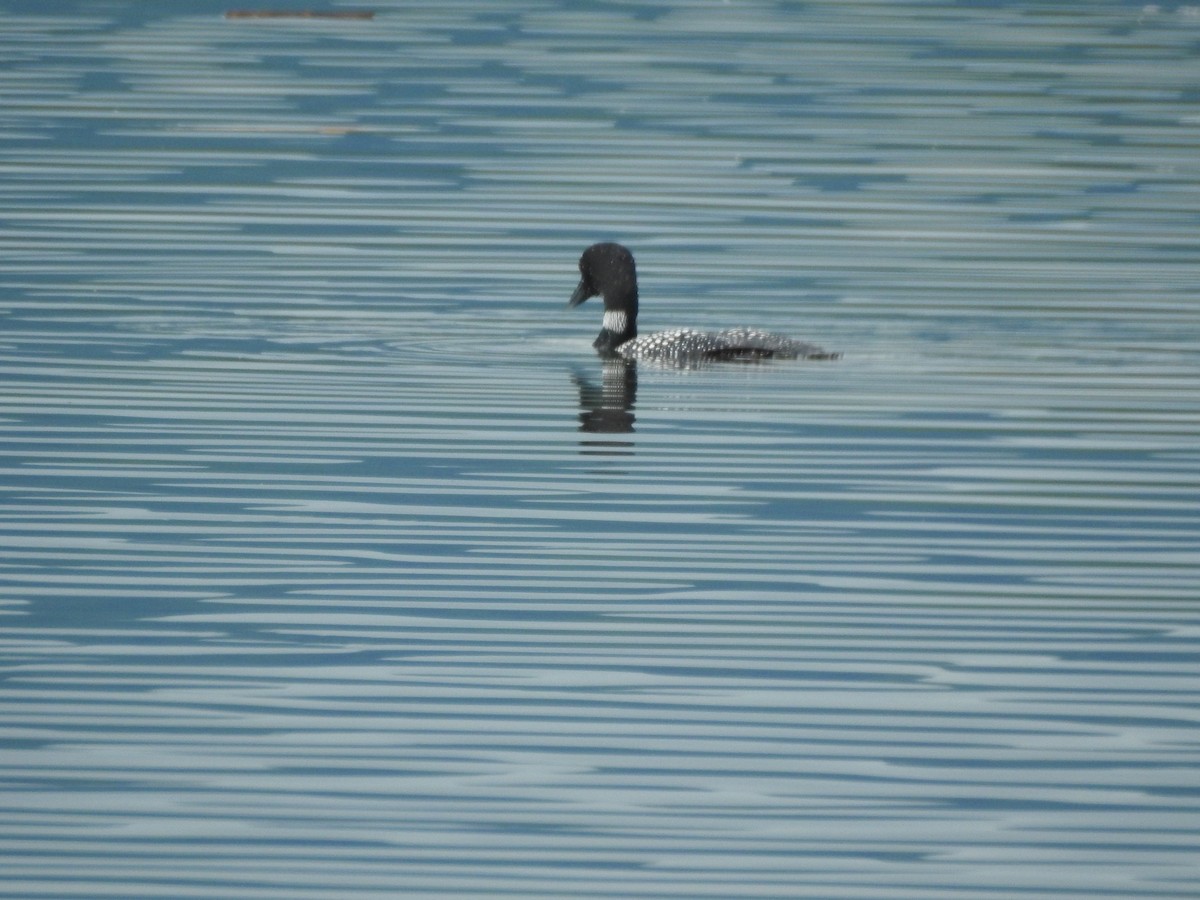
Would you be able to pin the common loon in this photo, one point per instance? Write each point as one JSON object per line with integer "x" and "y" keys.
{"x": 607, "y": 269}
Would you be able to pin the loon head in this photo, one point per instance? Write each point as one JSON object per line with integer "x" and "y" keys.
{"x": 608, "y": 270}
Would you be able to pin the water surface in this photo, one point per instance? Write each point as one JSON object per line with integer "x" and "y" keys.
{"x": 337, "y": 565}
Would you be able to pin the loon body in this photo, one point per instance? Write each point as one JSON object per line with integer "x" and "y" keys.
{"x": 608, "y": 270}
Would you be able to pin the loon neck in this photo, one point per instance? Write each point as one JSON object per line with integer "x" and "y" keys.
{"x": 618, "y": 327}
{"x": 618, "y": 321}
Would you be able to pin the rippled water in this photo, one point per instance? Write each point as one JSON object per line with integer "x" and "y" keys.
{"x": 336, "y": 565}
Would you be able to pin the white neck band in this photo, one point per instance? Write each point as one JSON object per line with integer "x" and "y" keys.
{"x": 615, "y": 320}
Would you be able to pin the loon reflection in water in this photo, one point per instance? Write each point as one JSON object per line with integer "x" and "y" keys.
{"x": 608, "y": 270}
{"x": 606, "y": 408}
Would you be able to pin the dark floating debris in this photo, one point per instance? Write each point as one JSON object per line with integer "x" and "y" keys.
{"x": 299, "y": 14}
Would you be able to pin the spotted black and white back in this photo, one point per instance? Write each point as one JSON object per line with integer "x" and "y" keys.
{"x": 735, "y": 344}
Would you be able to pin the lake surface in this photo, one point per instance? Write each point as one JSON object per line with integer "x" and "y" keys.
{"x": 336, "y": 565}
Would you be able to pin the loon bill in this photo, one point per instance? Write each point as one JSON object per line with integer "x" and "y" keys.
{"x": 608, "y": 270}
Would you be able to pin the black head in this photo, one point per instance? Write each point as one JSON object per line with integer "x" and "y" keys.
{"x": 608, "y": 270}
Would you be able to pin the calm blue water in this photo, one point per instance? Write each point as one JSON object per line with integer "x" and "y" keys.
{"x": 334, "y": 564}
